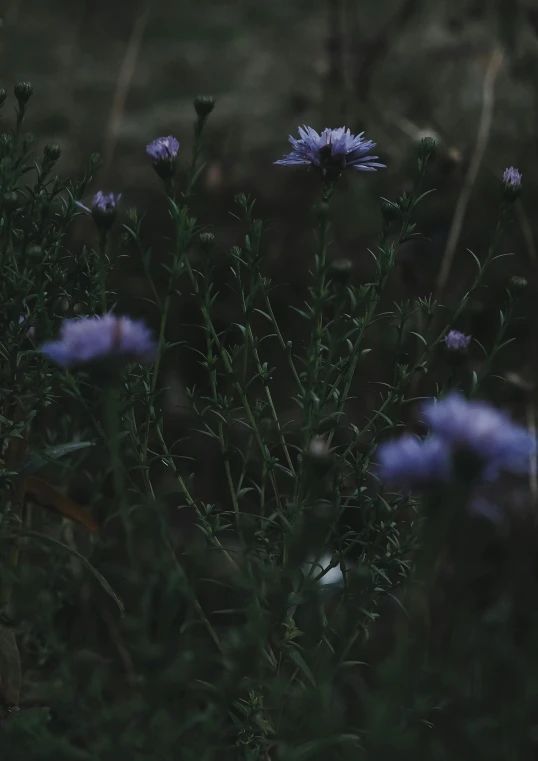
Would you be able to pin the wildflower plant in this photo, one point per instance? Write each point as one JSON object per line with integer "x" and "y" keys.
{"x": 237, "y": 627}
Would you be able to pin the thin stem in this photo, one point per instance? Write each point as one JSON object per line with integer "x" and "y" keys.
{"x": 484, "y": 128}
{"x": 102, "y": 268}
{"x": 315, "y": 348}
{"x": 112, "y": 423}
{"x": 283, "y": 344}
{"x": 155, "y": 376}
{"x": 188, "y": 496}
{"x": 229, "y": 369}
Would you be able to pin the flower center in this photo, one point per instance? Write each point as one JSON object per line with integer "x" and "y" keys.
{"x": 325, "y": 154}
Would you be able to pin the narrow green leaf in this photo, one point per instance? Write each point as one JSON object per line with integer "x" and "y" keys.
{"x": 413, "y": 333}
{"x": 301, "y": 664}
{"x": 39, "y": 459}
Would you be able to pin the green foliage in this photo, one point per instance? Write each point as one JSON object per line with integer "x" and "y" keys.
{"x": 258, "y": 626}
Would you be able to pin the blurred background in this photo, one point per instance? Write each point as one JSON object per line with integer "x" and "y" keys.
{"x": 111, "y": 76}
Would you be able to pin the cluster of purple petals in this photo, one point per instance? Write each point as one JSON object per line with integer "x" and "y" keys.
{"x": 410, "y": 463}
{"x": 456, "y": 341}
{"x": 457, "y": 425}
{"x": 92, "y": 339}
{"x": 333, "y": 147}
{"x": 477, "y": 427}
{"x": 163, "y": 148}
{"x": 512, "y": 177}
{"x": 103, "y": 203}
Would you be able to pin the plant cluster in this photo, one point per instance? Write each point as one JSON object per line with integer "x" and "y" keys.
{"x": 139, "y": 621}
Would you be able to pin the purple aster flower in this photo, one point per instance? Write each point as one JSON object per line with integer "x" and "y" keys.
{"x": 163, "y": 148}
{"x": 87, "y": 340}
{"x": 163, "y": 151}
{"x": 482, "y": 431}
{"x": 511, "y": 184}
{"x": 334, "y": 149}
{"x": 412, "y": 463}
{"x": 104, "y": 208}
{"x": 512, "y": 176}
{"x": 456, "y": 341}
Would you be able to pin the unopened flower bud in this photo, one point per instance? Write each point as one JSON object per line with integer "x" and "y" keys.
{"x": 389, "y": 210}
{"x": 204, "y": 105}
{"x": 207, "y": 240}
{"x": 23, "y": 92}
{"x": 428, "y": 146}
{"x": 52, "y": 152}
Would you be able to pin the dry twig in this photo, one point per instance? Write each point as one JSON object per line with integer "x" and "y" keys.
{"x": 123, "y": 84}
{"x": 484, "y": 129}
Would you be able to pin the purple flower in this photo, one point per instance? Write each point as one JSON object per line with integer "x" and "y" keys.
{"x": 409, "y": 462}
{"x": 104, "y": 207}
{"x": 512, "y": 177}
{"x": 456, "y": 341}
{"x": 479, "y": 429}
{"x": 163, "y": 148}
{"x": 511, "y": 185}
{"x": 163, "y": 151}
{"x": 333, "y": 149}
{"x": 92, "y": 339}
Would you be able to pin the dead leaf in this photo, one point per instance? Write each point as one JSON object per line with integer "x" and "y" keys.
{"x": 49, "y": 496}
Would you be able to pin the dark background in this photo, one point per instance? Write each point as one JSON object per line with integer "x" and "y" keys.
{"x": 112, "y": 76}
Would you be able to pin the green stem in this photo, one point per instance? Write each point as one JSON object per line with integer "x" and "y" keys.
{"x": 112, "y": 422}
{"x": 154, "y": 377}
{"x": 311, "y": 397}
{"x": 314, "y": 352}
{"x": 188, "y": 496}
{"x": 102, "y": 268}
{"x": 229, "y": 370}
{"x": 283, "y": 344}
